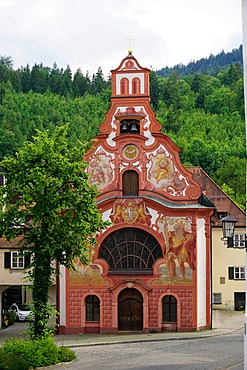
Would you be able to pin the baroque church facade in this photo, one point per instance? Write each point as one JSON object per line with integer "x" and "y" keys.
{"x": 151, "y": 269}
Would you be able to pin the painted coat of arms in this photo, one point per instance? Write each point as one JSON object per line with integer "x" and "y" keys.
{"x": 130, "y": 211}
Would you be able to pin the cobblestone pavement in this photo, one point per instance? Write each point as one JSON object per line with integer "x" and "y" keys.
{"x": 223, "y": 322}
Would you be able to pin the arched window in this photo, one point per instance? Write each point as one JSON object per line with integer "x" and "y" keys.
{"x": 92, "y": 308}
{"x": 136, "y": 86}
{"x": 130, "y": 250}
{"x": 130, "y": 183}
{"x": 124, "y": 86}
{"x": 169, "y": 309}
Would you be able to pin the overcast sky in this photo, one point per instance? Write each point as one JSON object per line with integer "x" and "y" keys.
{"x": 93, "y": 33}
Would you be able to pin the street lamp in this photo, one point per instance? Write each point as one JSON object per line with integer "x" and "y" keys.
{"x": 228, "y": 229}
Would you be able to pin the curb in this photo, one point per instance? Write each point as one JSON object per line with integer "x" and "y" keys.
{"x": 147, "y": 340}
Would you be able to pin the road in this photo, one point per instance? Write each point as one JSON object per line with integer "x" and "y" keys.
{"x": 221, "y": 353}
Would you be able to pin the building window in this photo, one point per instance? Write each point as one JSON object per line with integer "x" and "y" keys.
{"x": 136, "y": 86}
{"x": 92, "y": 308}
{"x": 124, "y": 86}
{"x": 130, "y": 251}
{"x": 239, "y": 273}
{"x": 239, "y": 240}
{"x": 130, "y": 183}
{"x": 169, "y": 309}
{"x": 217, "y": 298}
{"x": 236, "y": 273}
{"x": 17, "y": 260}
{"x": 14, "y": 260}
{"x": 222, "y": 280}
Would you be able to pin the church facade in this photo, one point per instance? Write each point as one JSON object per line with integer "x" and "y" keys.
{"x": 151, "y": 270}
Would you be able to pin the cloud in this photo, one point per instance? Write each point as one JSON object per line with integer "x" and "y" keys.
{"x": 93, "y": 33}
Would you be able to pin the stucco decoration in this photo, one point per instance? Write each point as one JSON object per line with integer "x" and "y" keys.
{"x": 130, "y": 211}
{"x": 180, "y": 244}
{"x": 164, "y": 175}
{"x": 100, "y": 169}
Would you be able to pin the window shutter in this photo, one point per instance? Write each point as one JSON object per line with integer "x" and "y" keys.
{"x": 1, "y": 180}
{"x": 7, "y": 259}
{"x": 130, "y": 183}
{"x": 27, "y": 261}
{"x": 231, "y": 273}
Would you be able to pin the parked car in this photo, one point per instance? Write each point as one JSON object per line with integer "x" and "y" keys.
{"x": 21, "y": 311}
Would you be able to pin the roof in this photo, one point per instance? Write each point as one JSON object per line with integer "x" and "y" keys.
{"x": 223, "y": 203}
{"x": 4, "y": 243}
{"x": 203, "y": 202}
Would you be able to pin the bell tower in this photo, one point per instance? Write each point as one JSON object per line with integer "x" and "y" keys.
{"x": 130, "y": 111}
{"x": 130, "y": 79}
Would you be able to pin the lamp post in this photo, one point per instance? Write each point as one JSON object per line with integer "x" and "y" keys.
{"x": 228, "y": 228}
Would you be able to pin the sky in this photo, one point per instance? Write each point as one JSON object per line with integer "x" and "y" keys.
{"x": 89, "y": 34}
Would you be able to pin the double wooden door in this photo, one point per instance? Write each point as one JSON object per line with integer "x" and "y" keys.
{"x": 130, "y": 310}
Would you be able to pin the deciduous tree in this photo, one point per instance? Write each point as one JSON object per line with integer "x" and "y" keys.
{"x": 55, "y": 196}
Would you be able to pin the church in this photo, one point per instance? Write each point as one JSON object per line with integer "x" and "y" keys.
{"x": 151, "y": 269}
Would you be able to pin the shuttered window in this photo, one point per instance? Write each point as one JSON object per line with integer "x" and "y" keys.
{"x": 236, "y": 272}
{"x": 130, "y": 183}
{"x": 13, "y": 261}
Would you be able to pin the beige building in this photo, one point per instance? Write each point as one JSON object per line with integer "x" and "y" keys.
{"x": 14, "y": 286}
{"x": 228, "y": 264}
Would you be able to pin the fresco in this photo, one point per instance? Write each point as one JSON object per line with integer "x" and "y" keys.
{"x": 86, "y": 274}
{"x": 180, "y": 244}
{"x": 163, "y": 176}
{"x": 100, "y": 170}
{"x": 130, "y": 211}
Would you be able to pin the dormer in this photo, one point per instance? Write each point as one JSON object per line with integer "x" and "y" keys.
{"x": 130, "y": 79}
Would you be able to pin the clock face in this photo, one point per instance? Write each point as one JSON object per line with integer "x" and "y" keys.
{"x": 130, "y": 151}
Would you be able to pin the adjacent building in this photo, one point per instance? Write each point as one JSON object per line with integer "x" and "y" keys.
{"x": 228, "y": 264}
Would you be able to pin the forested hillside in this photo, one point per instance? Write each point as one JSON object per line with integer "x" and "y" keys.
{"x": 211, "y": 65}
{"x": 202, "y": 114}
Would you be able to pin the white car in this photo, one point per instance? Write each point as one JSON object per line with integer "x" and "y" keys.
{"x": 21, "y": 311}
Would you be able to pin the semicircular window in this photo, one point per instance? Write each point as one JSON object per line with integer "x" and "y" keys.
{"x": 130, "y": 250}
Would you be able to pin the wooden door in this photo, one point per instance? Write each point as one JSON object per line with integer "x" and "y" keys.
{"x": 130, "y": 310}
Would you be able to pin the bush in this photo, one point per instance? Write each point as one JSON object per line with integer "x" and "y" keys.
{"x": 38, "y": 352}
{"x": 65, "y": 354}
{"x": 12, "y": 318}
{"x": 10, "y": 361}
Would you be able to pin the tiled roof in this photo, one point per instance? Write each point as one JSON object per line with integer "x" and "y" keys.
{"x": 4, "y": 243}
{"x": 222, "y": 202}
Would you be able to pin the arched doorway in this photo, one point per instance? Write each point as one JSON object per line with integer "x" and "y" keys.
{"x": 130, "y": 310}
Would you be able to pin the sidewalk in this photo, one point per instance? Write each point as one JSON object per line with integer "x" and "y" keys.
{"x": 223, "y": 322}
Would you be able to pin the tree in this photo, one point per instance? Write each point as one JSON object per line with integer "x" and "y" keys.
{"x": 6, "y": 61}
{"x": 66, "y": 82}
{"x": 80, "y": 84}
{"x": 154, "y": 90}
{"x": 98, "y": 83}
{"x": 55, "y": 196}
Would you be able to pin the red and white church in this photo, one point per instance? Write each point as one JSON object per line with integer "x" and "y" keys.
{"x": 151, "y": 269}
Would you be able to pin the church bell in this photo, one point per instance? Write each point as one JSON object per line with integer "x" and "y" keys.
{"x": 133, "y": 128}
